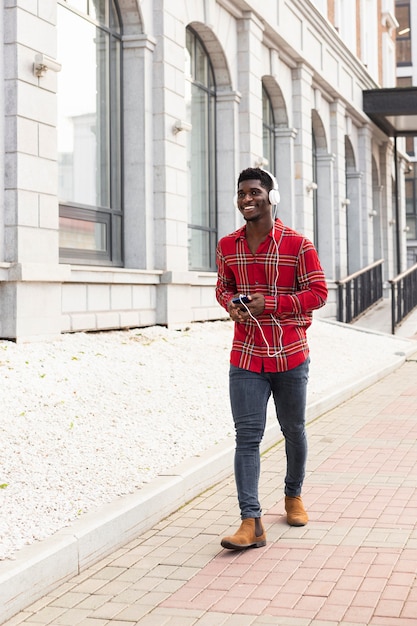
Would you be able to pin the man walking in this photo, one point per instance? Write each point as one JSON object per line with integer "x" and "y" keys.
{"x": 269, "y": 280}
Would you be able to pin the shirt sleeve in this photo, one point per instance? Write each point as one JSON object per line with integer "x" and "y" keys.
{"x": 311, "y": 290}
{"x": 226, "y": 283}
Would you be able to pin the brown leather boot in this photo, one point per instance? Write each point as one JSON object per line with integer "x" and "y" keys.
{"x": 251, "y": 534}
{"x": 296, "y": 513}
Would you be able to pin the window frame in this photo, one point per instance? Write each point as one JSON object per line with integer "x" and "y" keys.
{"x": 110, "y": 216}
{"x": 208, "y": 88}
{"x": 411, "y": 201}
{"x": 268, "y": 128}
{"x": 403, "y": 42}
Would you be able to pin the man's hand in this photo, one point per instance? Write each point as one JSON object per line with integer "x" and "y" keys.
{"x": 256, "y": 306}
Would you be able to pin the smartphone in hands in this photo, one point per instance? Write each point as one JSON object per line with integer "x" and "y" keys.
{"x": 241, "y": 299}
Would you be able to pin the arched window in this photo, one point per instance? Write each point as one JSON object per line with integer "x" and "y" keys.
{"x": 201, "y": 156}
{"x": 89, "y": 132}
{"x": 268, "y": 130}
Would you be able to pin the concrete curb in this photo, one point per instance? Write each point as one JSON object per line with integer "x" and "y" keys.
{"x": 43, "y": 566}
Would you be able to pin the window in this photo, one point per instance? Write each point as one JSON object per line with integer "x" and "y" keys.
{"x": 89, "y": 132}
{"x": 369, "y": 37}
{"x": 345, "y": 22}
{"x": 268, "y": 130}
{"x": 201, "y": 156}
{"x": 411, "y": 202}
{"x": 402, "y": 13}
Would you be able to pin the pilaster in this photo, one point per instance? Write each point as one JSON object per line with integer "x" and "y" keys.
{"x": 227, "y": 160}
{"x": 365, "y": 166}
{"x": 303, "y": 158}
{"x": 387, "y": 213}
{"x": 250, "y": 31}
{"x": 337, "y": 139}
{"x": 326, "y": 243}
{"x": 285, "y": 139}
{"x": 139, "y": 234}
{"x": 30, "y": 297}
{"x": 169, "y": 156}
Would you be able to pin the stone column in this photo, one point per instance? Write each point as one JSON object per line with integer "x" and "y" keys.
{"x": 302, "y": 106}
{"x": 250, "y": 31}
{"x": 377, "y": 223}
{"x": 285, "y": 138}
{"x": 337, "y": 138}
{"x": 169, "y": 147}
{"x": 227, "y": 159}
{"x": 365, "y": 166}
{"x": 326, "y": 243}
{"x": 138, "y": 152}
{"x": 387, "y": 211}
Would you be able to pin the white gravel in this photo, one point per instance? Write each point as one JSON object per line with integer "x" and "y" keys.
{"x": 91, "y": 417}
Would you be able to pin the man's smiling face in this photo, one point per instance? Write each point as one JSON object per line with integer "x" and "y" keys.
{"x": 253, "y": 200}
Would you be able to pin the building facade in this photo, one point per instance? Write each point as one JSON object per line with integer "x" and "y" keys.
{"x": 125, "y": 124}
{"x": 406, "y": 14}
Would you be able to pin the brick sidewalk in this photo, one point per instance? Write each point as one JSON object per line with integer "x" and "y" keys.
{"x": 354, "y": 564}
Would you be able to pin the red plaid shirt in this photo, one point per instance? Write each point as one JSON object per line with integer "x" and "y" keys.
{"x": 287, "y": 270}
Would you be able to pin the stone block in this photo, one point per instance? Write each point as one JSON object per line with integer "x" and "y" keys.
{"x": 83, "y": 321}
{"x": 36, "y": 174}
{"x": 37, "y": 33}
{"x": 98, "y": 297}
{"x": 36, "y": 103}
{"x": 74, "y": 298}
{"x": 48, "y": 211}
{"x": 47, "y": 142}
{"x": 107, "y": 320}
{"x": 47, "y": 11}
{"x": 26, "y": 138}
{"x": 143, "y": 296}
{"x": 120, "y": 297}
{"x": 129, "y": 319}
{"x": 35, "y": 311}
{"x": 21, "y": 207}
{"x": 37, "y": 245}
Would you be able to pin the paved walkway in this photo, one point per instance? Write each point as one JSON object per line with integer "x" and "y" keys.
{"x": 354, "y": 564}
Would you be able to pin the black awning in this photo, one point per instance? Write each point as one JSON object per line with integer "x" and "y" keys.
{"x": 393, "y": 110}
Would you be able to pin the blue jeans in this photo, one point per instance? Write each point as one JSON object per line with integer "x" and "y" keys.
{"x": 249, "y": 395}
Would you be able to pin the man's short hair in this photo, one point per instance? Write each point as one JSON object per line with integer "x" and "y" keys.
{"x": 256, "y": 173}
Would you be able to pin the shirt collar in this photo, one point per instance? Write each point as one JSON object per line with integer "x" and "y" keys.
{"x": 277, "y": 228}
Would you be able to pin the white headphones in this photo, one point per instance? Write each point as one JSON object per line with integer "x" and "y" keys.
{"x": 274, "y": 195}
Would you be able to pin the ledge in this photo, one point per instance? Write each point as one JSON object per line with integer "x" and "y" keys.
{"x": 34, "y": 272}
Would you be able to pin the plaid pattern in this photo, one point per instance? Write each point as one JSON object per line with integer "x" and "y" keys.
{"x": 287, "y": 270}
